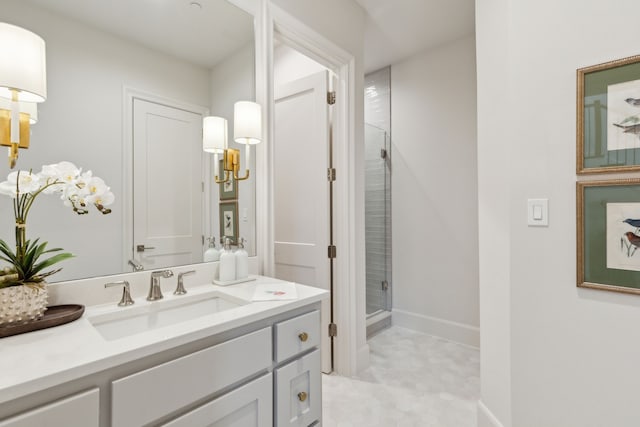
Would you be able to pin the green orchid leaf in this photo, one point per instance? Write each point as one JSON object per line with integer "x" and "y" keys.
{"x": 49, "y": 262}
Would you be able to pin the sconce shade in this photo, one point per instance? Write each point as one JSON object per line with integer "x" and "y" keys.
{"x": 214, "y": 134}
{"x": 23, "y": 64}
{"x": 247, "y": 122}
{"x": 25, "y": 107}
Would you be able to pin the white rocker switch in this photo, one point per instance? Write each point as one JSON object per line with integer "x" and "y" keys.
{"x": 538, "y": 212}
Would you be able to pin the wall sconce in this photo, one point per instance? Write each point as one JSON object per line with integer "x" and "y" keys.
{"x": 23, "y": 80}
{"x": 247, "y": 130}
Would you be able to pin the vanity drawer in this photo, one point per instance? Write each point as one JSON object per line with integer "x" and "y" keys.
{"x": 80, "y": 410}
{"x": 249, "y": 406}
{"x": 296, "y": 335}
{"x": 298, "y": 392}
{"x": 153, "y": 393}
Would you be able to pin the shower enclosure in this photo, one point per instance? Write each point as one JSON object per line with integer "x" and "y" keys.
{"x": 377, "y": 226}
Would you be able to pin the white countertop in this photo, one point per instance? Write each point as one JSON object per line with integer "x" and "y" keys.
{"x": 41, "y": 359}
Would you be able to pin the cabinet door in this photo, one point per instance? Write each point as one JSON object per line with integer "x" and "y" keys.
{"x": 299, "y": 392}
{"x": 247, "y": 406}
{"x": 80, "y": 410}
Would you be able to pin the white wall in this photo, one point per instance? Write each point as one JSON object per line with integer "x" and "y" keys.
{"x": 290, "y": 65}
{"x": 434, "y": 192}
{"x": 574, "y": 352}
{"x": 81, "y": 121}
{"x": 233, "y": 79}
{"x": 494, "y": 156}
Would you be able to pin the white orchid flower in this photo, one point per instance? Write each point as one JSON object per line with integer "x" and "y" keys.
{"x": 104, "y": 199}
{"x": 29, "y": 183}
{"x": 67, "y": 172}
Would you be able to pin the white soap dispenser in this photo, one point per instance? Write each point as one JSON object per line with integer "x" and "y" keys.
{"x": 227, "y": 262}
{"x": 211, "y": 254}
{"x": 242, "y": 261}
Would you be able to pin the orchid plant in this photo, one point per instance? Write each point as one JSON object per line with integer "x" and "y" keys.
{"x": 78, "y": 190}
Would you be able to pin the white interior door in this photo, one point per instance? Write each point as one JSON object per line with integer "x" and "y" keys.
{"x": 301, "y": 189}
{"x": 167, "y": 185}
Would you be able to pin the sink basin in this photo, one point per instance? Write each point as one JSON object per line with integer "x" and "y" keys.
{"x": 135, "y": 320}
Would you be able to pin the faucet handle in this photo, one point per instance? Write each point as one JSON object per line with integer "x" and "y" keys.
{"x": 180, "y": 290}
{"x": 126, "y": 292}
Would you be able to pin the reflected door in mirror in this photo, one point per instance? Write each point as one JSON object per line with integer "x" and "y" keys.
{"x": 168, "y": 198}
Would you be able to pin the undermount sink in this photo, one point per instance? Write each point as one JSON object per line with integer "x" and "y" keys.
{"x": 159, "y": 314}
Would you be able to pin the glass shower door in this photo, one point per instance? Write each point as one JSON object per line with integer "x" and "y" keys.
{"x": 377, "y": 219}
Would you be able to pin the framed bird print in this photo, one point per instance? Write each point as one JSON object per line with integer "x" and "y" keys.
{"x": 608, "y": 235}
{"x": 228, "y": 221}
{"x": 608, "y": 110}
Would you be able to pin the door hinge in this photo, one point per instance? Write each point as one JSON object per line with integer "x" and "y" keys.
{"x": 332, "y": 251}
{"x": 331, "y": 98}
{"x": 331, "y": 174}
{"x": 333, "y": 330}
{"x": 202, "y": 186}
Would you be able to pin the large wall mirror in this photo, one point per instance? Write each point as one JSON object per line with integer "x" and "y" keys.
{"x": 120, "y": 73}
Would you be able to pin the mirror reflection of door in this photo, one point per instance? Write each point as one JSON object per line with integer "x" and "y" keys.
{"x": 167, "y": 185}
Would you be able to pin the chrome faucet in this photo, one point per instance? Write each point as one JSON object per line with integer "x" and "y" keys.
{"x": 136, "y": 265}
{"x": 180, "y": 288}
{"x": 155, "y": 292}
{"x": 126, "y": 292}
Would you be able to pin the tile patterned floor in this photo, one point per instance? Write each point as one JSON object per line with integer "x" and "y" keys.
{"x": 414, "y": 380}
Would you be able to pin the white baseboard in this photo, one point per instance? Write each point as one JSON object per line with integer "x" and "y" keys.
{"x": 486, "y": 417}
{"x": 452, "y": 331}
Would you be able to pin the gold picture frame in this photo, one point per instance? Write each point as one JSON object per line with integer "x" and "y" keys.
{"x": 608, "y": 131}
{"x": 608, "y": 235}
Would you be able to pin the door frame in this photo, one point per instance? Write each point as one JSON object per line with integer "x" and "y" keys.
{"x": 302, "y": 38}
{"x": 128, "y": 96}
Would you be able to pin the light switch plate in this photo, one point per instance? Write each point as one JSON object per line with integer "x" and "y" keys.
{"x": 538, "y": 212}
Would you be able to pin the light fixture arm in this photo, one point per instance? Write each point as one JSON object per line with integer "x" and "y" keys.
{"x": 220, "y": 181}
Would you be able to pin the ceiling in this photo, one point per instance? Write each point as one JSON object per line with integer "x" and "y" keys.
{"x": 203, "y": 35}
{"x": 395, "y": 30}
{"x": 398, "y": 29}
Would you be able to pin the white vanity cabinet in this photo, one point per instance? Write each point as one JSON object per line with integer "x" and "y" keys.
{"x": 80, "y": 410}
{"x": 259, "y": 373}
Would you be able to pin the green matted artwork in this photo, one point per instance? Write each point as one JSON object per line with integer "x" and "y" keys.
{"x": 228, "y": 212}
{"x": 608, "y": 109}
{"x": 229, "y": 188}
{"x": 608, "y": 235}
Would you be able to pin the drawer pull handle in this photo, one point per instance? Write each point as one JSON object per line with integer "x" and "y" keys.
{"x": 302, "y": 396}
{"x": 303, "y": 337}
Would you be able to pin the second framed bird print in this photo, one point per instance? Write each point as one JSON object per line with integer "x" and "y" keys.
{"x": 608, "y": 235}
{"x": 608, "y": 110}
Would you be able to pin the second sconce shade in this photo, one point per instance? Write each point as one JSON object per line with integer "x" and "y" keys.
{"x": 247, "y": 130}
{"x": 247, "y": 122}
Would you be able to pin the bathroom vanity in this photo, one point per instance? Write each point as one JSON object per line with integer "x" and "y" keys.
{"x": 212, "y": 355}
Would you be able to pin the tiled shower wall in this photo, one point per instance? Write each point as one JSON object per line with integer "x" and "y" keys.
{"x": 378, "y": 189}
